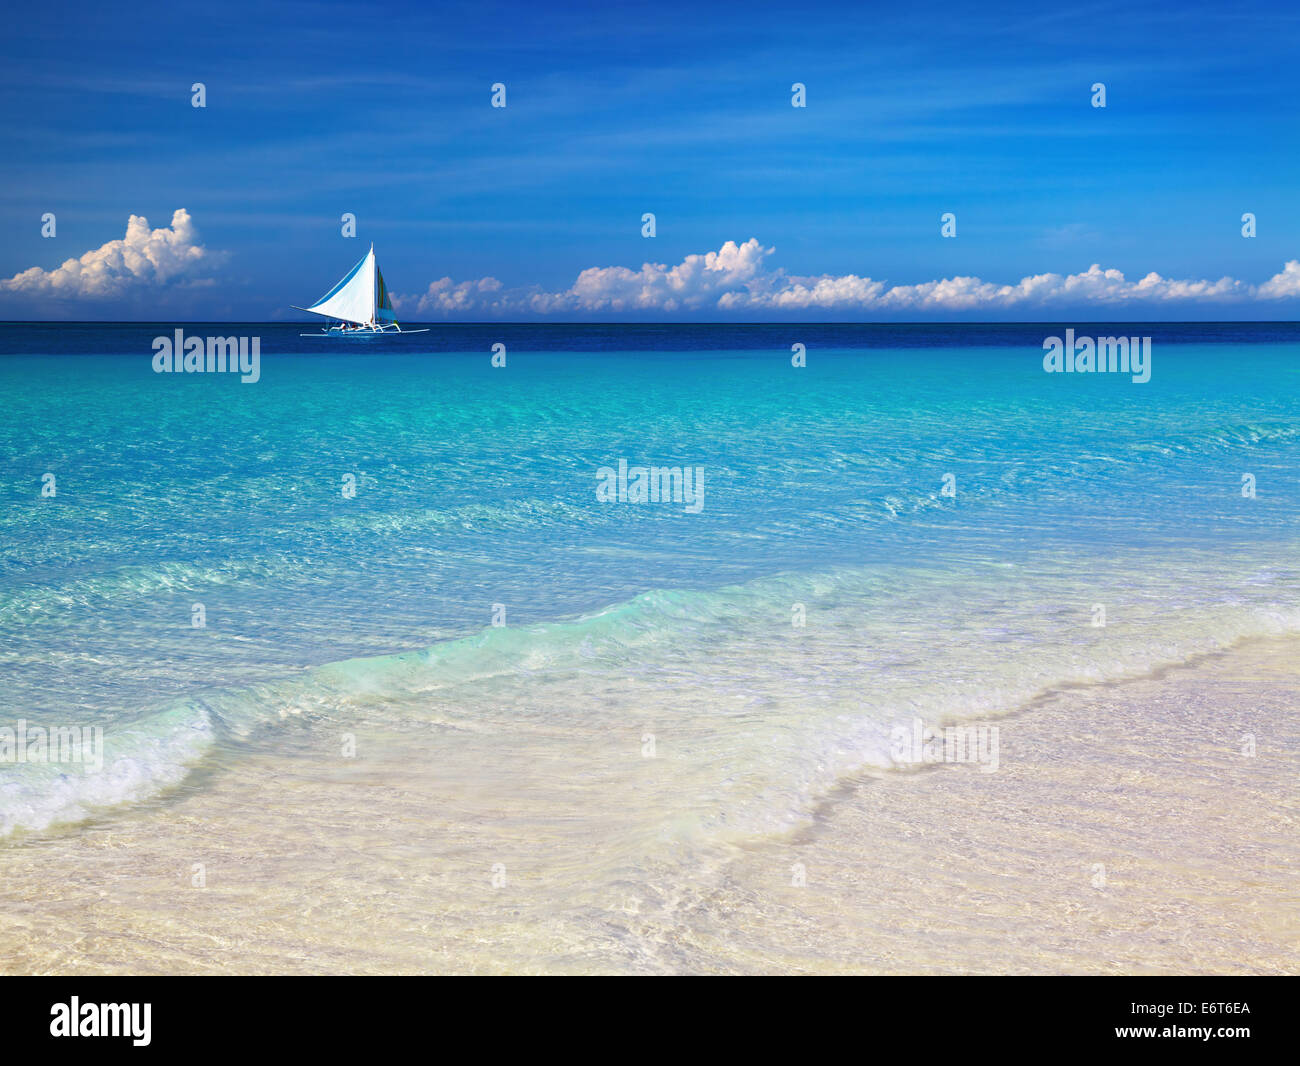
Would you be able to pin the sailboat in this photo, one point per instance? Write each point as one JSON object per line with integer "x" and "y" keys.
{"x": 361, "y": 304}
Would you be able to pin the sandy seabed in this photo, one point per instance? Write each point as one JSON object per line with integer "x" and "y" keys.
{"x": 1126, "y": 830}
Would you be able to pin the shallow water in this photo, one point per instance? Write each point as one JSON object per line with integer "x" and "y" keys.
{"x": 666, "y": 683}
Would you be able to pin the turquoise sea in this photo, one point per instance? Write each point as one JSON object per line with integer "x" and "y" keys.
{"x": 920, "y": 522}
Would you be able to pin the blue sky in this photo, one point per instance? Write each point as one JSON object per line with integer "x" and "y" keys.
{"x": 683, "y": 110}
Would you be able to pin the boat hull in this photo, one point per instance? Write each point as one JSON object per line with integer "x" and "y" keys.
{"x": 359, "y": 334}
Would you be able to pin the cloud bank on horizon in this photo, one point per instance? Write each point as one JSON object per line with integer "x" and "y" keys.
{"x": 144, "y": 260}
{"x": 737, "y": 279}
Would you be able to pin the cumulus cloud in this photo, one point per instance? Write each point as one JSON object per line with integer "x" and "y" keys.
{"x": 141, "y": 260}
{"x": 697, "y": 282}
{"x": 447, "y": 296}
{"x": 1285, "y": 285}
{"x": 738, "y": 278}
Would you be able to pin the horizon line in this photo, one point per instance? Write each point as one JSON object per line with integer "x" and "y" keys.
{"x": 674, "y": 322}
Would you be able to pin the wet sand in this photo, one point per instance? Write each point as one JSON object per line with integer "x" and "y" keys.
{"x": 1124, "y": 832}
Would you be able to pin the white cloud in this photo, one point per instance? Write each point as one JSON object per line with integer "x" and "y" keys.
{"x": 736, "y": 278}
{"x": 141, "y": 260}
{"x": 697, "y": 282}
{"x": 446, "y": 296}
{"x": 1285, "y": 285}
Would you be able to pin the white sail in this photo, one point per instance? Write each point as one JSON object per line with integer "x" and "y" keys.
{"x": 362, "y": 299}
{"x": 356, "y": 298}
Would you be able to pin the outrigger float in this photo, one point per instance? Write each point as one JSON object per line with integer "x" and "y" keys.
{"x": 360, "y": 303}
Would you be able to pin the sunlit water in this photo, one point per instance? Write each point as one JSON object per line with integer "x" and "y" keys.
{"x": 667, "y": 683}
